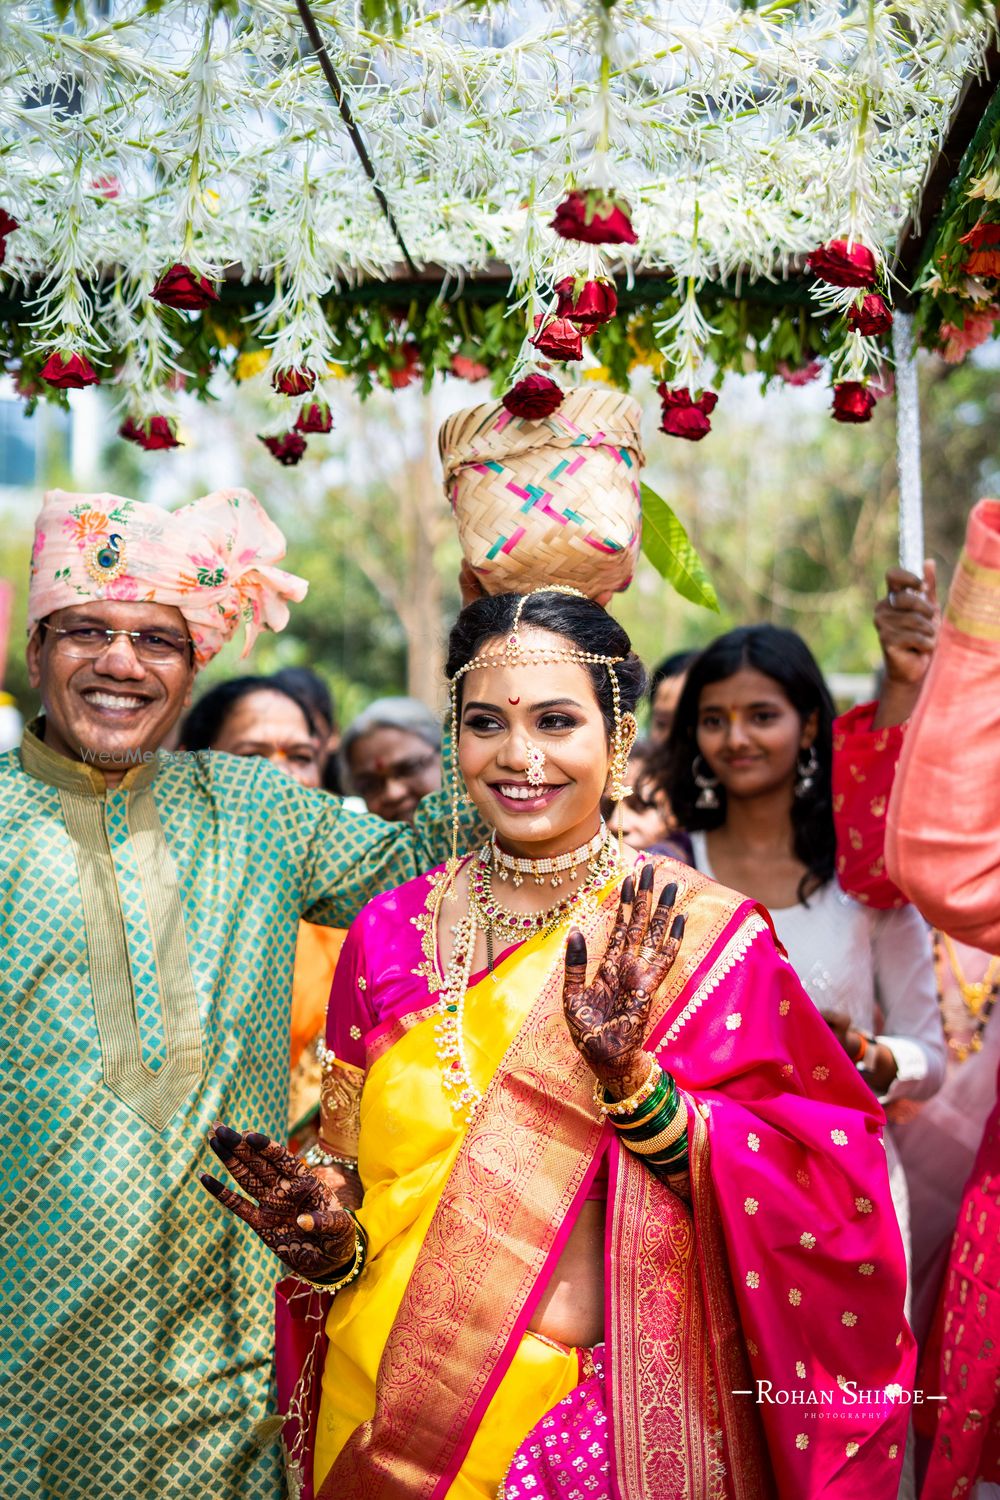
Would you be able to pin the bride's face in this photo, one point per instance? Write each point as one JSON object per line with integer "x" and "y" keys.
{"x": 512, "y": 717}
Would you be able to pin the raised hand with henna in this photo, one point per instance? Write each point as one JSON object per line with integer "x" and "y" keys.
{"x": 296, "y": 1214}
{"x": 608, "y": 1019}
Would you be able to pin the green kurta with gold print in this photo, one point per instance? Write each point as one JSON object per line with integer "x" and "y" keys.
{"x": 147, "y": 935}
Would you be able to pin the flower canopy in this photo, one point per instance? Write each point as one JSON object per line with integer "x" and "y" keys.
{"x": 199, "y": 151}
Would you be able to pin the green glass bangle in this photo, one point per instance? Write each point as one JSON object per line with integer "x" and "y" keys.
{"x": 667, "y": 1158}
{"x": 651, "y": 1110}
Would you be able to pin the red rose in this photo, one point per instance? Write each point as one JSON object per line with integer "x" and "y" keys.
{"x": 69, "y": 372}
{"x": 287, "y": 449}
{"x": 293, "y": 382}
{"x": 156, "y": 433}
{"x": 558, "y": 339}
{"x": 871, "y": 316}
{"x": 400, "y": 376}
{"x": 684, "y": 415}
{"x": 799, "y": 374}
{"x": 108, "y": 187}
{"x": 852, "y": 402}
{"x": 841, "y": 264}
{"x": 182, "y": 287}
{"x": 595, "y": 303}
{"x": 534, "y": 397}
{"x": 468, "y": 369}
{"x": 595, "y": 218}
{"x": 984, "y": 257}
{"x": 315, "y": 418}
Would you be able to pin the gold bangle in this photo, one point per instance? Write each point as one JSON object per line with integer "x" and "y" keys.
{"x": 631, "y": 1104}
{"x": 353, "y": 1272}
{"x": 666, "y": 1137}
{"x": 624, "y": 1125}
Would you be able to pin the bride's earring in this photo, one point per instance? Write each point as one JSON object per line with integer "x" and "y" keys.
{"x": 708, "y": 786}
{"x": 806, "y": 773}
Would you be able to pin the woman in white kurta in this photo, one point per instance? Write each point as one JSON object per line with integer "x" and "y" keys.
{"x": 748, "y": 772}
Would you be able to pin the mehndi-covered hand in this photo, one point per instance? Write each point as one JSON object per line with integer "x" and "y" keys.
{"x": 296, "y": 1214}
{"x": 609, "y": 1018}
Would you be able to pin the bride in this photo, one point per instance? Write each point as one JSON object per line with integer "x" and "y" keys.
{"x": 600, "y": 1207}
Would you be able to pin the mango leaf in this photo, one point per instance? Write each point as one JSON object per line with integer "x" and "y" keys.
{"x": 668, "y": 547}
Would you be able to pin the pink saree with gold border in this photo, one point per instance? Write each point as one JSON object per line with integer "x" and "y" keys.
{"x": 751, "y": 1330}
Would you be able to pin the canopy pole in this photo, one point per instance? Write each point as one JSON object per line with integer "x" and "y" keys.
{"x": 911, "y": 515}
{"x": 357, "y": 140}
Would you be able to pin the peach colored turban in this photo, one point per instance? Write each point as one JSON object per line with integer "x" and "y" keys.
{"x": 213, "y": 560}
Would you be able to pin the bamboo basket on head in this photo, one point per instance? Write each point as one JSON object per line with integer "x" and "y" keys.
{"x": 552, "y": 501}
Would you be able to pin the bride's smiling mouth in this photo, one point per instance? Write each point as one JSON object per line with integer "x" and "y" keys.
{"x": 518, "y": 796}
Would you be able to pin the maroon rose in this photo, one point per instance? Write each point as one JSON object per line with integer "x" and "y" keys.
{"x": 558, "y": 339}
{"x": 7, "y": 226}
{"x": 871, "y": 316}
{"x": 287, "y": 449}
{"x": 595, "y": 302}
{"x": 684, "y": 415}
{"x": 983, "y": 258}
{"x": 596, "y": 218}
{"x": 468, "y": 369}
{"x": 852, "y": 402}
{"x": 841, "y": 264}
{"x": 316, "y": 417}
{"x": 534, "y": 397}
{"x": 290, "y": 382}
{"x": 152, "y": 435}
{"x": 68, "y": 372}
{"x": 184, "y": 288}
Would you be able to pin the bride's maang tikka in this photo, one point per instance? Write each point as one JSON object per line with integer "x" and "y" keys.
{"x": 514, "y": 653}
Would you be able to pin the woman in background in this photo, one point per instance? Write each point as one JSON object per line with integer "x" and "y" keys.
{"x": 391, "y": 756}
{"x": 265, "y": 716}
{"x": 748, "y": 772}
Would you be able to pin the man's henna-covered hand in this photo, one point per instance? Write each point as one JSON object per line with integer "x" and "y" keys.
{"x": 296, "y": 1214}
{"x": 608, "y": 1019}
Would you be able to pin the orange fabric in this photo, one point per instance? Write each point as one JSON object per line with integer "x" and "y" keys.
{"x": 316, "y": 955}
{"x": 942, "y": 847}
{"x": 864, "y": 765}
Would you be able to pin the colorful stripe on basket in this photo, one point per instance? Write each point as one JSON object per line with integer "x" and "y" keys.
{"x": 505, "y": 543}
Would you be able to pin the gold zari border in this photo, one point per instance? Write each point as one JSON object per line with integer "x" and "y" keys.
{"x": 974, "y": 601}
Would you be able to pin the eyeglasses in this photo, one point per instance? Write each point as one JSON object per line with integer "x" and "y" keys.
{"x": 368, "y": 785}
{"x": 152, "y": 647}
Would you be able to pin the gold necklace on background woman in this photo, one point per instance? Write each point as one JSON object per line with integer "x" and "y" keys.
{"x": 978, "y": 996}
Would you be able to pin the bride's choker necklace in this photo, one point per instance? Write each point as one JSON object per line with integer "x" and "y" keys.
{"x": 512, "y": 867}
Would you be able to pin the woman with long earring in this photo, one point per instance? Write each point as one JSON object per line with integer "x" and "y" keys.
{"x": 748, "y": 771}
{"x": 594, "y": 1180}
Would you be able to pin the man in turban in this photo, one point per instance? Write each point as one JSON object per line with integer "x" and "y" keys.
{"x": 149, "y": 905}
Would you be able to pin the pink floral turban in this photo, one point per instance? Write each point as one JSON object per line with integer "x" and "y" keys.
{"x": 213, "y": 560}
